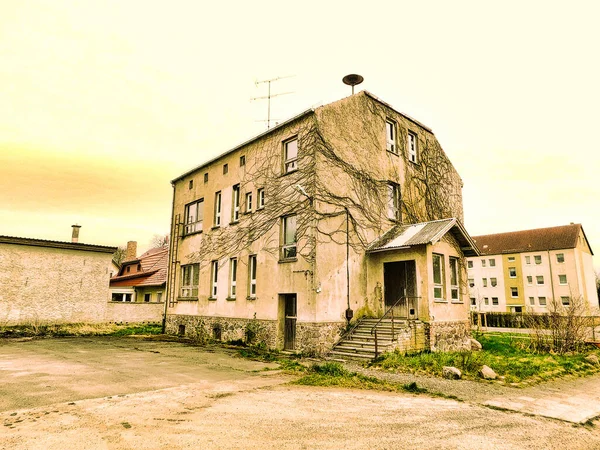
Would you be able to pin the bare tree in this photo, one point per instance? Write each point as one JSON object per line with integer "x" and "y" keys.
{"x": 119, "y": 255}
{"x": 160, "y": 240}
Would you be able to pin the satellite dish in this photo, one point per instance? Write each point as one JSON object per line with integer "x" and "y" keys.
{"x": 352, "y": 80}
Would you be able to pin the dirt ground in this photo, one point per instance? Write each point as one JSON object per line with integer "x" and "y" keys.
{"x": 128, "y": 393}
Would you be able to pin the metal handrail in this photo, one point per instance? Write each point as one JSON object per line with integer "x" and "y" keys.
{"x": 390, "y": 310}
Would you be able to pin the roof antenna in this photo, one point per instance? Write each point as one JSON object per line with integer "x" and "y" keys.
{"x": 269, "y": 96}
{"x": 352, "y": 80}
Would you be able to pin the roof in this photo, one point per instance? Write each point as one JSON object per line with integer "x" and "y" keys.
{"x": 153, "y": 270}
{"x": 538, "y": 239}
{"x": 287, "y": 122}
{"x": 405, "y": 236}
{"x": 56, "y": 244}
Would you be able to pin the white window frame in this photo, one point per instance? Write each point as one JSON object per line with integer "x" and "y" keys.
{"x": 530, "y": 280}
{"x": 393, "y": 201}
{"x": 532, "y": 301}
{"x": 511, "y": 259}
{"x": 495, "y": 301}
{"x": 289, "y": 246}
{"x": 252, "y": 276}
{"x": 492, "y": 262}
{"x": 539, "y": 280}
{"x": 454, "y": 279}
{"x": 484, "y": 282}
{"x": 528, "y": 260}
{"x": 290, "y": 162}
{"x": 542, "y": 301}
{"x": 439, "y": 284}
{"x": 193, "y": 223}
{"x": 248, "y": 202}
{"x": 233, "y": 265}
{"x": 391, "y": 134}
{"x": 514, "y": 292}
{"x": 564, "y": 277}
{"x": 483, "y": 263}
{"x": 469, "y": 264}
{"x": 412, "y": 144}
{"x": 471, "y": 282}
{"x": 494, "y": 282}
{"x": 218, "y": 203}
{"x": 190, "y": 276}
{"x": 235, "y": 203}
{"x": 261, "y": 198}
{"x": 567, "y": 302}
{"x": 214, "y": 278}
{"x": 537, "y": 259}
{"x": 512, "y": 272}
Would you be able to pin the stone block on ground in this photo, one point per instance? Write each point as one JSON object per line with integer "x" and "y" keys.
{"x": 488, "y": 373}
{"x": 592, "y": 359}
{"x": 475, "y": 345}
{"x": 452, "y": 373}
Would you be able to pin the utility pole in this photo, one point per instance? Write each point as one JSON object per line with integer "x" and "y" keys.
{"x": 269, "y": 95}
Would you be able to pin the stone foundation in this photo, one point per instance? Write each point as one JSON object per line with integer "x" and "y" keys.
{"x": 311, "y": 337}
{"x": 449, "y": 336}
{"x": 413, "y": 338}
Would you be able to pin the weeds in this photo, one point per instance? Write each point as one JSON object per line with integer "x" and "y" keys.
{"x": 79, "y": 329}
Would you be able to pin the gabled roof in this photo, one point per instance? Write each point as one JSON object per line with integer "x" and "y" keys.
{"x": 405, "y": 236}
{"x": 539, "y": 239}
{"x": 287, "y": 122}
{"x": 153, "y": 272}
{"x": 56, "y": 244}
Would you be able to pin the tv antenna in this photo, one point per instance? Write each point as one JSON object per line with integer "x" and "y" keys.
{"x": 352, "y": 80}
{"x": 269, "y": 95}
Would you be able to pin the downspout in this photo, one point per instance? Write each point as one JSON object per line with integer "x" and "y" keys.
{"x": 170, "y": 268}
{"x": 551, "y": 277}
{"x": 349, "y": 312}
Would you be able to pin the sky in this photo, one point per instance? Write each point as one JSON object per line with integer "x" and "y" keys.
{"x": 103, "y": 102}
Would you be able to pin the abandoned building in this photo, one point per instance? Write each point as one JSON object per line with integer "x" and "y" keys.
{"x": 53, "y": 281}
{"x": 138, "y": 289}
{"x": 345, "y": 211}
{"x": 533, "y": 271}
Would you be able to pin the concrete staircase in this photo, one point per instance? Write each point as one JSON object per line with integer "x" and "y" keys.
{"x": 360, "y": 343}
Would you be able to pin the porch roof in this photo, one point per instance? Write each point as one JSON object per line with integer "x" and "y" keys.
{"x": 405, "y": 236}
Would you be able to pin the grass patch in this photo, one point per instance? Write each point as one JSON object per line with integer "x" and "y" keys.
{"x": 79, "y": 329}
{"x": 508, "y": 355}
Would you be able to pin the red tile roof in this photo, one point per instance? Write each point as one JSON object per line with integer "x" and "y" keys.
{"x": 153, "y": 271}
{"x": 539, "y": 239}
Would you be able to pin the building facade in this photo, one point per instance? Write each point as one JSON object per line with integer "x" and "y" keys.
{"x": 533, "y": 270}
{"x": 288, "y": 235}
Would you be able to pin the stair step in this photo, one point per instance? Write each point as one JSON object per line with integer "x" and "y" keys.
{"x": 353, "y": 355}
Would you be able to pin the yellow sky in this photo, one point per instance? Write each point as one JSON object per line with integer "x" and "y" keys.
{"x": 102, "y": 103}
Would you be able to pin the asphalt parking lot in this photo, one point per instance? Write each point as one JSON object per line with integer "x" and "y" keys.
{"x": 129, "y": 393}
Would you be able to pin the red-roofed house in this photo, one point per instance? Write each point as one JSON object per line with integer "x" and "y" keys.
{"x": 140, "y": 281}
{"x": 528, "y": 270}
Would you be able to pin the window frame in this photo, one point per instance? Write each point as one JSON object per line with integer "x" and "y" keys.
{"x": 225, "y": 169}
{"x": 492, "y": 262}
{"x": 512, "y": 272}
{"x": 514, "y": 292}
{"x": 438, "y": 286}
{"x": 537, "y": 259}
{"x": 454, "y": 279}
{"x": 493, "y": 282}
{"x": 196, "y": 226}
{"x": 564, "y": 275}
{"x": 393, "y": 201}
{"x": 233, "y": 266}
{"x": 484, "y": 282}
{"x": 568, "y": 300}
{"x": 248, "y": 202}
{"x": 290, "y": 164}
{"x": 189, "y": 290}
{"x": 252, "y": 269}
{"x": 469, "y": 264}
{"x": 543, "y": 302}
{"x": 412, "y": 147}
{"x": 148, "y": 296}
{"x": 391, "y": 136}
{"x": 235, "y": 203}
{"x": 495, "y": 301}
{"x": 286, "y": 246}
{"x": 214, "y": 279}
{"x": 242, "y": 160}
{"x": 260, "y": 200}
{"x": 528, "y": 260}
{"x": 560, "y": 260}
{"x": 539, "y": 280}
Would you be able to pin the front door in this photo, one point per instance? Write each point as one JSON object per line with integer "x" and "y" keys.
{"x": 289, "y": 333}
{"x": 399, "y": 285}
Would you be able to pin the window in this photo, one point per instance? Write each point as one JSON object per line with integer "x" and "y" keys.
{"x": 512, "y": 272}
{"x": 483, "y": 263}
{"x": 159, "y": 297}
{"x": 473, "y": 301}
{"x": 206, "y": 177}
{"x": 261, "y": 198}
{"x": 532, "y": 301}
{"x": 147, "y": 297}
{"x": 454, "y": 278}
{"x": 438, "y": 276}
{"x": 528, "y": 260}
{"x": 290, "y": 155}
{"x": 235, "y": 203}
{"x": 412, "y": 147}
{"x": 242, "y": 160}
{"x": 189, "y": 280}
{"x": 542, "y": 301}
{"x": 495, "y": 301}
{"x": 393, "y": 201}
{"x": 537, "y": 259}
{"x": 214, "y": 276}
{"x": 249, "y": 202}
{"x": 194, "y": 213}
{"x": 288, "y": 249}
{"x": 121, "y": 297}
{"x": 484, "y": 280}
{"x": 128, "y": 269}
{"x": 494, "y": 282}
{"x": 390, "y": 137}
{"x": 529, "y": 279}
{"x": 217, "y": 220}
{"x": 469, "y": 264}
{"x": 565, "y": 301}
{"x": 562, "y": 279}
{"x": 514, "y": 292}
{"x": 191, "y": 184}
{"x": 232, "y": 277}
{"x": 511, "y": 259}
{"x": 225, "y": 169}
{"x": 560, "y": 257}
{"x": 516, "y": 309}
{"x": 252, "y": 276}
{"x": 492, "y": 262}
{"x": 539, "y": 279}
{"x": 471, "y": 282}
{"x": 486, "y": 300}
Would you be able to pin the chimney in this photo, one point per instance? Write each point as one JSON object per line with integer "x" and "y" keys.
{"x": 75, "y": 235}
{"x": 131, "y": 252}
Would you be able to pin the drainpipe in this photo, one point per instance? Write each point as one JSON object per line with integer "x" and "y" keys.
{"x": 349, "y": 312}
{"x": 551, "y": 277}
{"x": 170, "y": 273}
